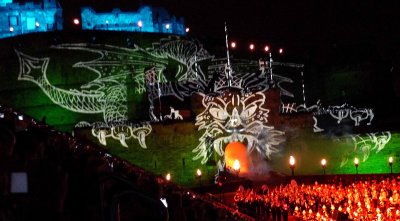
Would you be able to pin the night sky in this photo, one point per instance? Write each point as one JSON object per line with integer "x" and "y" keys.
{"x": 304, "y": 28}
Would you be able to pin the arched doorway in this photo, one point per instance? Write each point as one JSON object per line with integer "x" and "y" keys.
{"x": 237, "y": 151}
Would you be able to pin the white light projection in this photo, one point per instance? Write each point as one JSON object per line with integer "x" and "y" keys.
{"x": 107, "y": 93}
{"x": 123, "y": 132}
{"x": 363, "y": 144}
{"x": 244, "y": 77}
{"x": 235, "y": 112}
{"x": 174, "y": 115}
{"x": 156, "y": 90}
{"x": 189, "y": 76}
{"x": 235, "y": 116}
{"x": 108, "y": 98}
{"x": 337, "y": 112}
{"x": 366, "y": 143}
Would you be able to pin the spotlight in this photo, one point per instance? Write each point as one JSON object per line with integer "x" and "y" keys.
{"x": 280, "y": 50}
{"x": 1, "y": 115}
{"x": 391, "y": 164}
{"x": 292, "y": 163}
{"x": 251, "y": 47}
{"x": 323, "y": 164}
{"x": 168, "y": 177}
{"x": 266, "y": 48}
{"x": 140, "y": 25}
{"x": 356, "y": 164}
{"x": 20, "y": 117}
{"x": 11, "y": 29}
{"x": 187, "y": 30}
{"x": 76, "y": 21}
{"x": 167, "y": 26}
{"x": 198, "y": 173}
{"x": 233, "y": 44}
{"x": 37, "y": 24}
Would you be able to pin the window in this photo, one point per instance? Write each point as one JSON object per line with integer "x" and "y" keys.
{"x": 13, "y": 21}
{"x": 30, "y": 23}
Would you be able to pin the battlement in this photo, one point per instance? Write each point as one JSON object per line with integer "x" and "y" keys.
{"x": 19, "y": 19}
{"x": 146, "y": 19}
{"x": 29, "y": 17}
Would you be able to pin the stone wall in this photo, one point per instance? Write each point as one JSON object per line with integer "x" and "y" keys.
{"x": 30, "y": 17}
{"x": 152, "y": 20}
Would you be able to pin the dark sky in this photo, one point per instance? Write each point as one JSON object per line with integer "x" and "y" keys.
{"x": 304, "y": 28}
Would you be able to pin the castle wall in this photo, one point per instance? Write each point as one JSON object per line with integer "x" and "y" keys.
{"x": 3, "y": 3}
{"x": 29, "y": 17}
{"x": 153, "y": 20}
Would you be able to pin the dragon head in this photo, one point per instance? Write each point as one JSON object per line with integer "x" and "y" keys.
{"x": 235, "y": 116}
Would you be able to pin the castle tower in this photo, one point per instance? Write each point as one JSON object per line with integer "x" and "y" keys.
{"x": 3, "y": 3}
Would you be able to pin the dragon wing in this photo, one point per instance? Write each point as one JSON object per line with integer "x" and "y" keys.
{"x": 114, "y": 64}
{"x": 187, "y": 53}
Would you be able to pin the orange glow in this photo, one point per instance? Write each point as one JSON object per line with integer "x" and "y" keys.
{"x": 198, "y": 172}
{"x": 292, "y": 161}
{"x": 236, "y": 151}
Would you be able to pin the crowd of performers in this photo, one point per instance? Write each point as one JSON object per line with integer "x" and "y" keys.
{"x": 370, "y": 199}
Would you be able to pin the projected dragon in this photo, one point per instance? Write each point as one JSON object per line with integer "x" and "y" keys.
{"x": 339, "y": 113}
{"x": 364, "y": 144}
{"x": 107, "y": 93}
{"x": 235, "y": 116}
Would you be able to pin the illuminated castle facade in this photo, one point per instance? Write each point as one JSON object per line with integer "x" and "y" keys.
{"x": 18, "y": 19}
{"x": 146, "y": 19}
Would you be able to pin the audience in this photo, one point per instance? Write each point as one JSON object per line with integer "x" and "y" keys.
{"x": 369, "y": 199}
{"x": 72, "y": 180}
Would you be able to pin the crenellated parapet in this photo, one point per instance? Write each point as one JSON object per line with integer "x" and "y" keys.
{"x": 145, "y": 19}
{"x": 30, "y": 17}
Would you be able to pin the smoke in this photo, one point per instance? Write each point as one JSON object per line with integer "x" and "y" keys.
{"x": 258, "y": 167}
{"x": 270, "y": 141}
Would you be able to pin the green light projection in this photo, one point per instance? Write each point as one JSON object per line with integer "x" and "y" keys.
{"x": 73, "y": 68}
{"x": 107, "y": 93}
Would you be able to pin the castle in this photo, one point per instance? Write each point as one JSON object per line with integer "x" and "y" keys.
{"x": 47, "y": 16}
{"x": 29, "y": 17}
{"x": 146, "y": 19}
